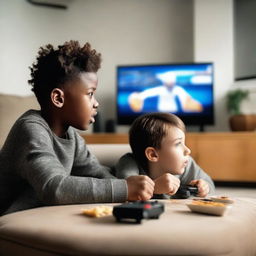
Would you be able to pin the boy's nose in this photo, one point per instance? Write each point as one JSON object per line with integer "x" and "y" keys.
{"x": 187, "y": 151}
{"x": 96, "y": 104}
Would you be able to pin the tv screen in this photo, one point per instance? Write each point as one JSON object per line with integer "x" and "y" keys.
{"x": 184, "y": 89}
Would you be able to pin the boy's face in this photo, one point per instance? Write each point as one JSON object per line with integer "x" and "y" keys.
{"x": 80, "y": 105}
{"x": 173, "y": 155}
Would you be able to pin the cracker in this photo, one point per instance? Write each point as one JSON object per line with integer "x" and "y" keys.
{"x": 98, "y": 211}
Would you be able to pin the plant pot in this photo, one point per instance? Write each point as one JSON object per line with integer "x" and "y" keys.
{"x": 243, "y": 122}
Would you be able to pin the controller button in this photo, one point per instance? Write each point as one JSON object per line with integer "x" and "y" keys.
{"x": 147, "y": 206}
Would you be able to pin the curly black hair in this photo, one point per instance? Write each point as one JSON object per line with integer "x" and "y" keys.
{"x": 55, "y": 67}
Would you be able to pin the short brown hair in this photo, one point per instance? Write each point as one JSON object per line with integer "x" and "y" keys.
{"x": 148, "y": 130}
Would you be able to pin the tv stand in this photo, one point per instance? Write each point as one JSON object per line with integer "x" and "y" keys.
{"x": 201, "y": 128}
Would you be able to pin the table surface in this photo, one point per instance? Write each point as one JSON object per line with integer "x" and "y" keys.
{"x": 178, "y": 231}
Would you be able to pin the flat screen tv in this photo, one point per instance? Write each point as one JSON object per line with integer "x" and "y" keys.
{"x": 184, "y": 89}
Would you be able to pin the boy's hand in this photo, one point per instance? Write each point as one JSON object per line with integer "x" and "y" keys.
{"x": 140, "y": 187}
{"x": 166, "y": 184}
{"x": 202, "y": 185}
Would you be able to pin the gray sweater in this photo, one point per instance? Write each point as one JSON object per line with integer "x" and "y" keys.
{"x": 38, "y": 168}
{"x": 127, "y": 166}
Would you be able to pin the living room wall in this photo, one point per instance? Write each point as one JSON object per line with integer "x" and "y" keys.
{"x": 125, "y": 32}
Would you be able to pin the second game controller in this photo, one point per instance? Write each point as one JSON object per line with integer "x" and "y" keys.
{"x": 185, "y": 191}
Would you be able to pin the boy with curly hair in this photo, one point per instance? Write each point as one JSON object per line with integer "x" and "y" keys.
{"x": 158, "y": 148}
{"x": 44, "y": 161}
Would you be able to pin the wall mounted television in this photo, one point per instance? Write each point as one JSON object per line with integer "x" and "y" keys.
{"x": 184, "y": 89}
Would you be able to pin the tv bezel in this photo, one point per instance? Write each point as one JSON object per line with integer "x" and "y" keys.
{"x": 196, "y": 119}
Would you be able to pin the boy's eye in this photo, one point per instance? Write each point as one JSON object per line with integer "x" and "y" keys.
{"x": 178, "y": 143}
{"x": 90, "y": 94}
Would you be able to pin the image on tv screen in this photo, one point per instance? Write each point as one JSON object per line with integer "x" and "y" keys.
{"x": 182, "y": 89}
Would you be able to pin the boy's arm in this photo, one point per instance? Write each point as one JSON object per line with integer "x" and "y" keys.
{"x": 49, "y": 173}
{"x": 126, "y": 167}
{"x": 86, "y": 164}
{"x": 194, "y": 172}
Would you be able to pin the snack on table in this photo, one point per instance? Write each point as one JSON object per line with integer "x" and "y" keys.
{"x": 208, "y": 203}
{"x": 98, "y": 211}
{"x": 222, "y": 199}
{"x": 208, "y": 207}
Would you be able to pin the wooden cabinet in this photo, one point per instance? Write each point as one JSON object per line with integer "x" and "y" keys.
{"x": 227, "y": 156}
{"x": 106, "y": 138}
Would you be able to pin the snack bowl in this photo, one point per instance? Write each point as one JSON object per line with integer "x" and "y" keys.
{"x": 222, "y": 199}
{"x": 209, "y": 207}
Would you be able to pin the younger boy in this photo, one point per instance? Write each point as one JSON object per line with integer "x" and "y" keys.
{"x": 158, "y": 148}
{"x": 44, "y": 161}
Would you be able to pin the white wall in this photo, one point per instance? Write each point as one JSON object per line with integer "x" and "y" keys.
{"x": 125, "y": 32}
{"x": 213, "y": 35}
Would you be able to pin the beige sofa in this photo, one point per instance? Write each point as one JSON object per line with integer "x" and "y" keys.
{"x": 11, "y": 107}
{"x": 63, "y": 230}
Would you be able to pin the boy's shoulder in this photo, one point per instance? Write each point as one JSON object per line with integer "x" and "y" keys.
{"x": 31, "y": 116}
{"x": 128, "y": 157}
{"x": 33, "y": 124}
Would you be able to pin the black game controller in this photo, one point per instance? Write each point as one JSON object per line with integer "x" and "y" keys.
{"x": 185, "y": 191}
{"x": 138, "y": 210}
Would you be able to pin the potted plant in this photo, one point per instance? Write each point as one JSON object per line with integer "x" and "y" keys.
{"x": 239, "y": 121}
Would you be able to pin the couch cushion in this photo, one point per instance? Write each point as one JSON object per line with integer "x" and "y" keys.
{"x": 108, "y": 154}
{"x": 63, "y": 230}
{"x": 11, "y": 107}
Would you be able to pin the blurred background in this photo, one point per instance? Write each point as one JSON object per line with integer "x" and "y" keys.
{"x": 133, "y": 32}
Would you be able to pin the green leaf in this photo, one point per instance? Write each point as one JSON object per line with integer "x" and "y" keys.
{"x": 234, "y": 100}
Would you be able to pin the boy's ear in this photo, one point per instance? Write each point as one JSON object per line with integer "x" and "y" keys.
{"x": 151, "y": 154}
{"x": 57, "y": 97}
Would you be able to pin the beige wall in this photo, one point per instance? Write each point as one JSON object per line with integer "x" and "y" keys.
{"x": 213, "y": 35}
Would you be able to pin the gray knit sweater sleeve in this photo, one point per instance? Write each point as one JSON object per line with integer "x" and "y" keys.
{"x": 39, "y": 168}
